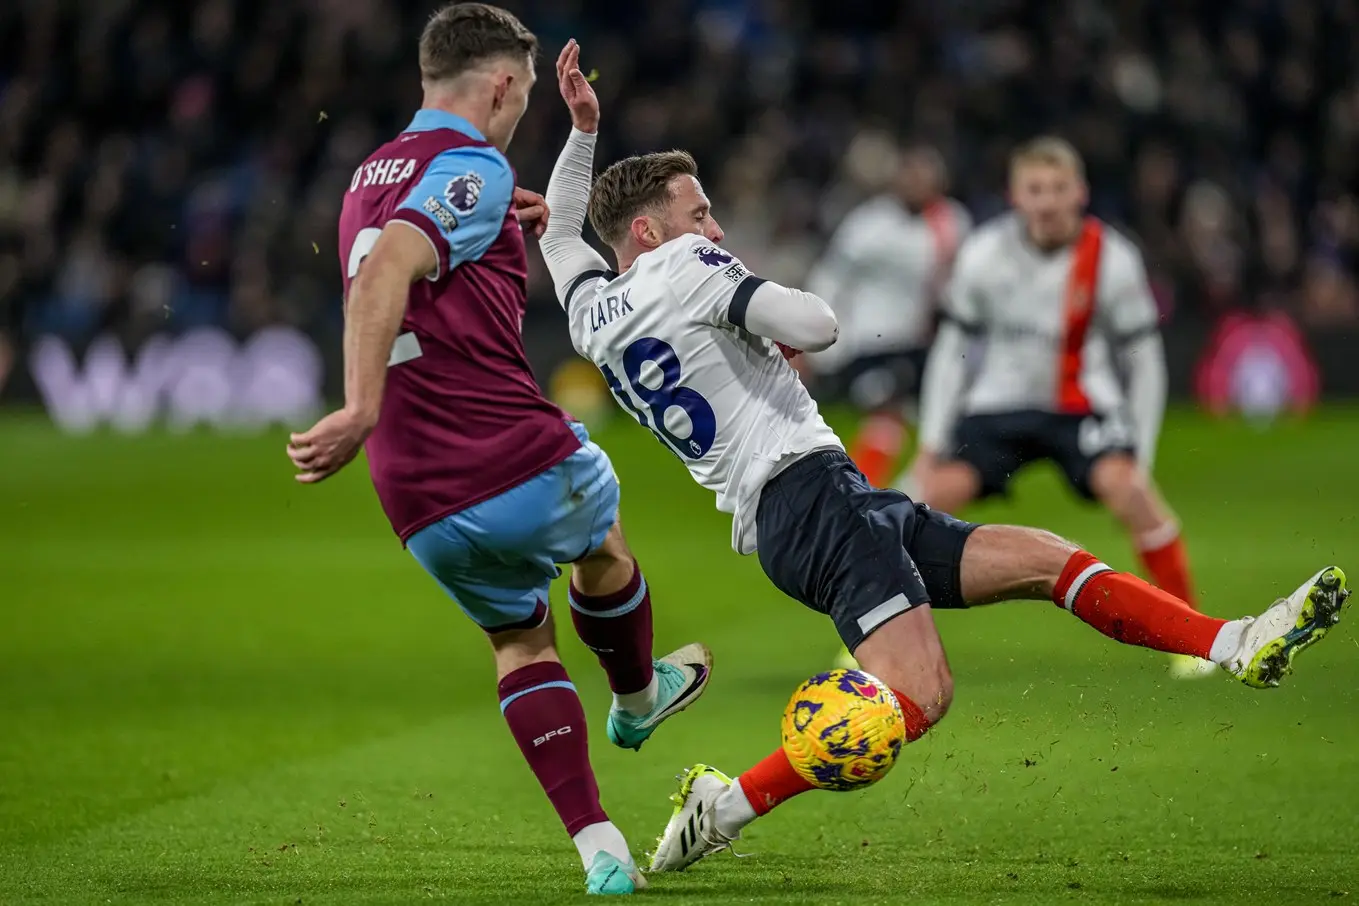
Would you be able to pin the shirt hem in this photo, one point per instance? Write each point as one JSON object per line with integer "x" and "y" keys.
{"x": 425, "y": 522}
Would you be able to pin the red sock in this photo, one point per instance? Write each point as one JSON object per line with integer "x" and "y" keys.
{"x": 774, "y": 781}
{"x": 877, "y": 446}
{"x": 771, "y": 782}
{"x": 1128, "y": 610}
{"x": 545, "y": 716}
{"x": 1168, "y": 566}
{"x": 913, "y": 716}
{"x": 617, "y": 628}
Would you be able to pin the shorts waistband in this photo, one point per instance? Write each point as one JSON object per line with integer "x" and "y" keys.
{"x": 811, "y": 462}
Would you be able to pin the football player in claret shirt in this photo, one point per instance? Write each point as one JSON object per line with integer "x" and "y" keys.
{"x": 488, "y": 484}
{"x": 688, "y": 340}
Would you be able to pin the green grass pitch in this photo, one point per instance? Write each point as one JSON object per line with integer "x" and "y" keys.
{"x": 217, "y": 686}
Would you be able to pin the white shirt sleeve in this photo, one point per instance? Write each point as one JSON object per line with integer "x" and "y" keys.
{"x": 714, "y": 287}
{"x": 1144, "y": 362}
{"x": 942, "y": 387}
{"x": 570, "y": 259}
{"x": 1129, "y": 311}
{"x": 1127, "y": 306}
{"x": 791, "y": 317}
{"x": 947, "y": 371}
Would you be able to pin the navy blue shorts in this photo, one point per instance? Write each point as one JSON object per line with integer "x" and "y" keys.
{"x": 999, "y": 445}
{"x": 853, "y": 552}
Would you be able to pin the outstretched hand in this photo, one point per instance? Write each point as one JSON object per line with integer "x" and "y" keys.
{"x": 328, "y": 446}
{"x": 531, "y": 209}
{"x": 575, "y": 88}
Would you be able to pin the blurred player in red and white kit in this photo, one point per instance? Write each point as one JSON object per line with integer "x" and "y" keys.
{"x": 882, "y": 274}
{"x": 488, "y": 484}
{"x": 1049, "y": 349}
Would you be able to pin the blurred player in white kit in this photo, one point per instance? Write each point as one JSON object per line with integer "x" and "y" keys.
{"x": 882, "y": 274}
{"x": 1049, "y": 349}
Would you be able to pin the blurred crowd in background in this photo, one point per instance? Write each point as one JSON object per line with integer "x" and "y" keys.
{"x": 173, "y": 165}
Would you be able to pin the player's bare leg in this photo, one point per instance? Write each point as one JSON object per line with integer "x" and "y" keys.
{"x": 1006, "y": 562}
{"x": 611, "y": 610}
{"x": 546, "y": 718}
{"x": 1001, "y": 563}
{"x": 1132, "y": 497}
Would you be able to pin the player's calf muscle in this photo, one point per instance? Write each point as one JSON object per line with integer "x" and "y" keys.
{"x": 907, "y": 654}
{"x": 1009, "y": 562}
{"x": 605, "y": 569}
{"x": 518, "y": 648}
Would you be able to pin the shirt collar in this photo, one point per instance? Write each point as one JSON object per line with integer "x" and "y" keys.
{"x": 427, "y": 119}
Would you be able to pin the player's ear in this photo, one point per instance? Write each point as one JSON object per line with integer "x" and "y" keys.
{"x": 501, "y": 90}
{"x": 646, "y": 231}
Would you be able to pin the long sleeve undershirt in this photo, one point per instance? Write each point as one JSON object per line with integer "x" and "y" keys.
{"x": 1144, "y": 364}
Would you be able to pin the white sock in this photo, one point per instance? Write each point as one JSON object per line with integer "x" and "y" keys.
{"x": 733, "y": 811}
{"x": 1227, "y": 642}
{"x": 639, "y": 703}
{"x": 601, "y": 837}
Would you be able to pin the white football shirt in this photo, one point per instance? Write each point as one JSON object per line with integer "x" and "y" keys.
{"x": 1011, "y": 296}
{"x": 720, "y": 398}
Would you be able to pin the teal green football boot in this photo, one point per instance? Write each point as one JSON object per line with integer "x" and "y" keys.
{"x": 611, "y": 876}
{"x": 681, "y": 677}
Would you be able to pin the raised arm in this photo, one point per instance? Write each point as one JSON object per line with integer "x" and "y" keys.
{"x": 568, "y": 256}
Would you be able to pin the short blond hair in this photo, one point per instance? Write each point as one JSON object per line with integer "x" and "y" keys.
{"x": 1051, "y": 150}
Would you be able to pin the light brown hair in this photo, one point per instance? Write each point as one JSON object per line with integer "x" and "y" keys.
{"x": 462, "y": 35}
{"x": 635, "y": 185}
{"x": 1051, "y": 150}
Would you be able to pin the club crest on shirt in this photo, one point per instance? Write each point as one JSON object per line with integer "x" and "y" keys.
{"x": 463, "y": 192}
{"x": 712, "y": 256}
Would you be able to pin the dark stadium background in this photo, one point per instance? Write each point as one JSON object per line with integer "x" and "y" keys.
{"x": 169, "y": 166}
{"x": 217, "y": 686}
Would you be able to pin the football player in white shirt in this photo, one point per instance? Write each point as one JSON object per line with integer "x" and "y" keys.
{"x": 882, "y": 273}
{"x": 1049, "y": 350}
{"x": 689, "y": 342}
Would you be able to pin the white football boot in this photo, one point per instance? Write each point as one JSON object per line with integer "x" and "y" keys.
{"x": 1271, "y": 641}
{"x": 692, "y": 832}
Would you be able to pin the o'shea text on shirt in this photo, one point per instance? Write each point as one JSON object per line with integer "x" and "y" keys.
{"x": 384, "y": 172}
